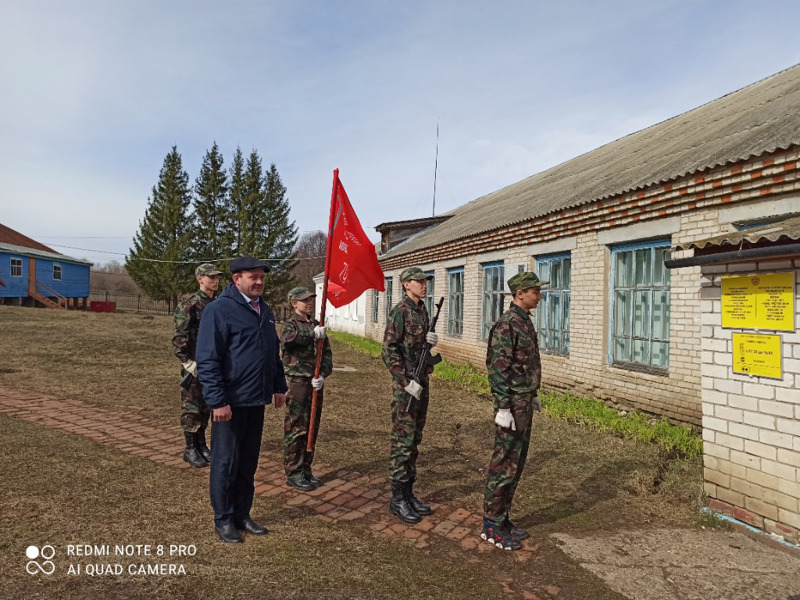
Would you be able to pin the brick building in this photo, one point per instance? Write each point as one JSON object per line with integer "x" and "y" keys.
{"x": 614, "y": 324}
{"x": 749, "y": 289}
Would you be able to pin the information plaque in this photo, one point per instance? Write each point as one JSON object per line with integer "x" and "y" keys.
{"x": 757, "y": 354}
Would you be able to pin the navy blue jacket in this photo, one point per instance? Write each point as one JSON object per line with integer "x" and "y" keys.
{"x": 238, "y": 353}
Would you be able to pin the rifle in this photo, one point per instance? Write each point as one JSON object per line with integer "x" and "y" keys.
{"x": 426, "y": 359}
{"x": 187, "y": 380}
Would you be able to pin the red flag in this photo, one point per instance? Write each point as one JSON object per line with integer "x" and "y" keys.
{"x": 352, "y": 266}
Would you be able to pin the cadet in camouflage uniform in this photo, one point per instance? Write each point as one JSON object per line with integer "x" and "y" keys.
{"x": 403, "y": 342}
{"x": 515, "y": 372}
{"x": 299, "y": 353}
{"x": 194, "y": 411}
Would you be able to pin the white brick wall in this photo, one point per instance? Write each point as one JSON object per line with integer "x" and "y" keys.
{"x": 752, "y": 424}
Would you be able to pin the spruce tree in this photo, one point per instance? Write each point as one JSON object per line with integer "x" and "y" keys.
{"x": 161, "y": 247}
{"x": 211, "y": 235}
{"x": 236, "y": 218}
{"x": 279, "y": 235}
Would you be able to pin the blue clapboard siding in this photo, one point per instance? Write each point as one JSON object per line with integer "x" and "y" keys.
{"x": 74, "y": 281}
{"x": 16, "y": 287}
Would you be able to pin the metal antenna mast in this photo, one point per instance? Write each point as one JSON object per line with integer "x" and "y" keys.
{"x": 435, "y": 168}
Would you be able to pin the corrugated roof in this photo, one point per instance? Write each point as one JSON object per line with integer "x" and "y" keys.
{"x": 787, "y": 230}
{"x": 27, "y": 251}
{"x": 762, "y": 117}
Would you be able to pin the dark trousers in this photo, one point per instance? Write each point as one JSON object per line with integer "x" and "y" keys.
{"x": 236, "y": 445}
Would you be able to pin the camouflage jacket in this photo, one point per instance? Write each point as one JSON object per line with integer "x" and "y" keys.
{"x": 404, "y": 339}
{"x": 299, "y": 348}
{"x": 187, "y": 322}
{"x": 512, "y": 357}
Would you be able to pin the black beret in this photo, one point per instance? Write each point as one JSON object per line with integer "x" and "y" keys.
{"x": 248, "y": 263}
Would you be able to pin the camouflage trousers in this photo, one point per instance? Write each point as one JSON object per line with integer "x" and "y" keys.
{"x": 296, "y": 459}
{"x": 194, "y": 410}
{"x": 406, "y": 432}
{"x": 507, "y": 462}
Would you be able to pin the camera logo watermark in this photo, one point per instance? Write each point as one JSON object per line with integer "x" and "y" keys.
{"x": 45, "y": 566}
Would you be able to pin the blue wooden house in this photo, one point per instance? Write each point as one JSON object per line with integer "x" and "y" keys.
{"x": 32, "y": 274}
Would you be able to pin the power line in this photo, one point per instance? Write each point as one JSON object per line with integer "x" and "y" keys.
{"x": 181, "y": 262}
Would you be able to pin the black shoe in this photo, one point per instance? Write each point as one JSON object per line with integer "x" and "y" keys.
{"x": 517, "y": 532}
{"x": 202, "y": 448}
{"x": 315, "y": 481}
{"x": 250, "y": 527}
{"x": 228, "y": 534}
{"x": 497, "y": 535}
{"x": 191, "y": 454}
{"x": 400, "y": 506}
{"x": 304, "y": 485}
{"x": 418, "y": 505}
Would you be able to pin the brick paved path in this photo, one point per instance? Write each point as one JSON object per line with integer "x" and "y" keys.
{"x": 346, "y": 495}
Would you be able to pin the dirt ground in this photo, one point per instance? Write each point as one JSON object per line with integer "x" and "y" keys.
{"x": 611, "y": 518}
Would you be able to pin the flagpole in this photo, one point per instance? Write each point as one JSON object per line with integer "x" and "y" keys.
{"x": 324, "y": 302}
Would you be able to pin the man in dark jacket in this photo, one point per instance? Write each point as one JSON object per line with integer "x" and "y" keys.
{"x": 239, "y": 366}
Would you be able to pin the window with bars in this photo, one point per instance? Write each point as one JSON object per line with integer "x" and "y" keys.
{"x": 493, "y": 296}
{"x": 375, "y": 297}
{"x": 552, "y": 314}
{"x": 16, "y": 267}
{"x": 455, "y": 302}
{"x": 389, "y": 294}
{"x": 640, "y": 305}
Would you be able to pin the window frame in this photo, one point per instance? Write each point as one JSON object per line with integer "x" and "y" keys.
{"x": 375, "y": 299}
{"x": 15, "y": 264}
{"x": 455, "y": 314}
{"x": 543, "y": 311}
{"x": 651, "y": 340}
{"x": 389, "y": 285}
{"x": 429, "y": 301}
{"x": 57, "y": 268}
{"x": 494, "y": 298}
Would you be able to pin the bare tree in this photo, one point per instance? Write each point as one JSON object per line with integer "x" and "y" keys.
{"x": 113, "y": 278}
{"x": 310, "y": 256}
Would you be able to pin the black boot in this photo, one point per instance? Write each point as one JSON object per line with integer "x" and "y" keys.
{"x": 191, "y": 454}
{"x": 399, "y": 505}
{"x": 201, "y": 444}
{"x": 418, "y": 505}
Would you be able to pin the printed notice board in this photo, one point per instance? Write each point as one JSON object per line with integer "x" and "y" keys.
{"x": 760, "y": 301}
{"x": 757, "y": 354}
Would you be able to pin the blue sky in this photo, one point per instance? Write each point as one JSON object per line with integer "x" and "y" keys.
{"x": 93, "y": 94}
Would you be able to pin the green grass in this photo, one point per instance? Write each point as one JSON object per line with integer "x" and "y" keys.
{"x": 364, "y": 345}
{"x": 587, "y": 412}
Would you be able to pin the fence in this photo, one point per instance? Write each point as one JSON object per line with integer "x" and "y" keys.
{"x": 142, "y": 304}
{"x": 133, "y": 303}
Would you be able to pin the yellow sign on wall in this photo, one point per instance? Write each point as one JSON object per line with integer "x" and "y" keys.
{"x": 759, "y": 301}
{"x": 757, "y": 354}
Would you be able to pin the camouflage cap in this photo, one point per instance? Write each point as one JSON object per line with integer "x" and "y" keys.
{"x": 414, "y": 274}
{"x": 524, "y": 281}
{"x": 300, "y": 293}
{"x": 206, "y": 269}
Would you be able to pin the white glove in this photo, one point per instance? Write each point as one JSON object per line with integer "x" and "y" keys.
{"x": 191, "y": 366}
{"x": 317, "y": 382}
{"x": 319, "y": 332}
{"x": 537, "y": 404}
{"x": 505, "y": 419}
{"x": 414, "y": 389}
{"x": 431, "y": 338}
